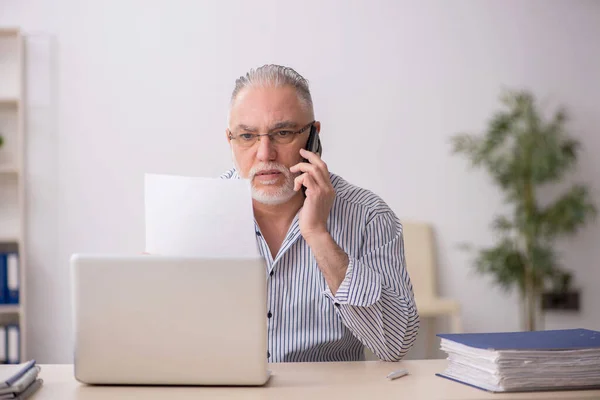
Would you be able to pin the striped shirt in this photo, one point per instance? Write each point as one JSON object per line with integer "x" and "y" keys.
{"x": 374, "y": 305}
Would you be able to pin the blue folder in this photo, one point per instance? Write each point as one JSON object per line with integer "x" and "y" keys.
{"x": 564, "y": 339}
{"x": 549, "y": 340}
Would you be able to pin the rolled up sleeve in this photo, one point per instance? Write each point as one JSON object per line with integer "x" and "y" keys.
{"x": 375, "y": 300}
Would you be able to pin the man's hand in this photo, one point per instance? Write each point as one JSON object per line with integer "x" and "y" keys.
{"x": 319, "y": 195}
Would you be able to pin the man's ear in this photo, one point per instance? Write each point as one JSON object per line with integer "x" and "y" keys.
{"x": 227, "y": 136}
{"x": 317, "y": 125}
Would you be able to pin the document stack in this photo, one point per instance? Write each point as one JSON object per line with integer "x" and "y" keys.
{"x": 524, "y": 361}
{"x": 19, "y": 381}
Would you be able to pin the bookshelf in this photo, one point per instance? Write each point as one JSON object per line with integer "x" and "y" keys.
{"x": 12, "y": 198}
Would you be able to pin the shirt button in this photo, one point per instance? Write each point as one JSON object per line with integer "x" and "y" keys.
{"x": 272, "y": 272}
{"x": 269, "y": 315}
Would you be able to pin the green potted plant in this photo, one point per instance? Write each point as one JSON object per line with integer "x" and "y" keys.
{"x": 522, "y": 151}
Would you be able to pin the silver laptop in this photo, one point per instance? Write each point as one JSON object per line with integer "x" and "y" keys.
{"x": 169, "y": 321}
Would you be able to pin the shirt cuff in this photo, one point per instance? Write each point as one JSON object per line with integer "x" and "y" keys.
{"x": 361, "y": 286}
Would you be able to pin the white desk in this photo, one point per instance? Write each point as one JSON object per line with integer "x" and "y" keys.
{"x": 290, "y": 381}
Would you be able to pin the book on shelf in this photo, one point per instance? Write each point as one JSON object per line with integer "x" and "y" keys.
{"x": 567, "y": 359}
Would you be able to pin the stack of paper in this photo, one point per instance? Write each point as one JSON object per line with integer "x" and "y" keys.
{"x": 19, "y": 381}
{"x": 524, "y": 361}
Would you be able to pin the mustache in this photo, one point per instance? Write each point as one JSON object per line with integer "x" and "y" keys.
{"x": 267, "y": 167}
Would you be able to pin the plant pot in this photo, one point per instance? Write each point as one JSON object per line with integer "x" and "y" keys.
{"x": 565, "y": 301}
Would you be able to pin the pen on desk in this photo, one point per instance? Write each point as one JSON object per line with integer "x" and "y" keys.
{"x": 397, "y": 374}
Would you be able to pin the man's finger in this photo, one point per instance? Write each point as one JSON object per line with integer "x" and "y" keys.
{"x": 299, "y": 180}
{"x": 310, "y": 184}
{"x": 318, "y": 175}
{"x": 314, "y": 159}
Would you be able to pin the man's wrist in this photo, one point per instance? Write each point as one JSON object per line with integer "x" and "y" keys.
{"x": 318, "y": 238}
{"x": 331, "y": 259}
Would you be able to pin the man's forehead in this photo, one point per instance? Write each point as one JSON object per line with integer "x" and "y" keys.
{"x": 267, "y": 106}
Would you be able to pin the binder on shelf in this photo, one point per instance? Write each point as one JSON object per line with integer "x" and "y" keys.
{"x": 9, "y": 278}
{"x": 10, "y": 344}
{"x": 3, "y": 278}
{"x": 3, "y": 345}
{"x": 567, "y": 359}
{"x": 12, "y": 279}
{"x": 13, "y": 339}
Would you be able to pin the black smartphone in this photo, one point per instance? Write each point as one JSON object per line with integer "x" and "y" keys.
{"x": 313, "y": 144}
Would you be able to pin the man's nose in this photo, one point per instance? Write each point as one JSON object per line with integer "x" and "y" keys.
{"x": 266, "y": 149}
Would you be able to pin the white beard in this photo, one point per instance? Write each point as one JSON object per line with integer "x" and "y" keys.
{"x": 274, "y": 195}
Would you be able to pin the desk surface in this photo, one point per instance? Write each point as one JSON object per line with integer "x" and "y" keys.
{"x": 312, "y": 381}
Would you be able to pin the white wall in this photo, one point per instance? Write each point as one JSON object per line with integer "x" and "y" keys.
{"x": 143, "y": 86}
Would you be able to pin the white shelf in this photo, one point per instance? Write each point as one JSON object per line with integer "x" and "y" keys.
{"x": 9, "y": 101}
{"x": 9, "y": 31}
{"x": 9, "y": 170}
{"x": 10, "y": 309}
{"x": 12, "y": 186}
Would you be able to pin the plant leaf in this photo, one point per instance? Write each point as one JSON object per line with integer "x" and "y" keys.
{"x": 502, "y": 224}
{"x": 468, "y": 145}
{"x": 504, "y": 262}
{"x": 568, "y": 213}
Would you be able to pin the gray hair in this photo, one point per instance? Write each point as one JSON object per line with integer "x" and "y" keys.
{"x": 277, "y": 76}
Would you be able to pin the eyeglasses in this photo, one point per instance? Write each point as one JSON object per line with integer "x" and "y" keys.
{"x": 278, "y": 137}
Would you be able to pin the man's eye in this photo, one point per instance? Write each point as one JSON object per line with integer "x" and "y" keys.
{"x": 247, "y": 136}
{"x": 284, "y": 133}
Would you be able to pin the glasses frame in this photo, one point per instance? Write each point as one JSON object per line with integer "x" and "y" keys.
{"x": 257, "y": 136}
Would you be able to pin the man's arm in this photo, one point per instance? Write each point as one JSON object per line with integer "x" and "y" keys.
{"x": 372, "y": 292}
{"x": 374, "y": 298}
{"x": 331, "y": 259}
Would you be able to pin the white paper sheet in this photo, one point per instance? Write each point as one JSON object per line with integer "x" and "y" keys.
{"x": 196, "y": 216}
